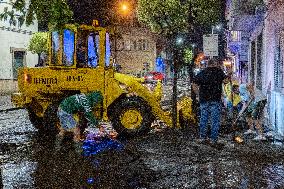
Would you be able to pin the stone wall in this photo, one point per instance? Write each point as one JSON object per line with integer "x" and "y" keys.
{"x": 8, "y": 86}
{"x": 135, "y": 47}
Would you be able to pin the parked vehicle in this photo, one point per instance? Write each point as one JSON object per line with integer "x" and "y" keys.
{"x": 154, "y": 76}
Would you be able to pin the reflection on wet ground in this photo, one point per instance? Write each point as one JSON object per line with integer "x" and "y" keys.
{"x": 169, "y": 159}
{"x": 64, "y": 167}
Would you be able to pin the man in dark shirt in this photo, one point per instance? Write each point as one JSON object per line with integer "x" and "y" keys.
{"x": 209, "y": 82}
{"x": 81, "y": 56}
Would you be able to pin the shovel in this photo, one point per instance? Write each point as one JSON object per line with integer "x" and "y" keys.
{"x": 238, "y": 139}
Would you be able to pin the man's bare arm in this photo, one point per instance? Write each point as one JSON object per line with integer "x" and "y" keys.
{"x": 195, "y": 88}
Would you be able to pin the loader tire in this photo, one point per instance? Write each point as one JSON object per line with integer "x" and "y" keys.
{"x": 132, "y": 117}
{"x": 50, "y": 120}
{"x": 35, "y": 120}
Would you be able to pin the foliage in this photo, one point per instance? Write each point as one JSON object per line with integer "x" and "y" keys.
{"x": 188, "y": 55}
{"x": 55, "y": 12}
{"x": 38, "y": 43}
{"x": 171, "y": 16}
{"x": 162, "y": 15}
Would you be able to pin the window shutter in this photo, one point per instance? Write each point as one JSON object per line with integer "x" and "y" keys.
{"x": 252, "y": 61}
{"x": 259, "y": 62}
{"x": 281, "y": 64}
{"x": 277, "y": 65}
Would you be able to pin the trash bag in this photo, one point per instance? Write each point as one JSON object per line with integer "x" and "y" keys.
{"x": 100, "y": 145}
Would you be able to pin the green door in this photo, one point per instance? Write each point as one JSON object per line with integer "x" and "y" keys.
{"x": 18, "y": 62}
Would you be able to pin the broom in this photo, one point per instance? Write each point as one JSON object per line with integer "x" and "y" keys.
{"x": 239, "y": 139}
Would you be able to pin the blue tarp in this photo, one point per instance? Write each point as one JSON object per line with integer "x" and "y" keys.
{"x": 93, "y": 147}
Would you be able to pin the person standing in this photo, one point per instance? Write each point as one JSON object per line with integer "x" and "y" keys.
{"x": 82, "y": 56}
{"x": 231, "y": 97}
{"x": 209, "y": 81}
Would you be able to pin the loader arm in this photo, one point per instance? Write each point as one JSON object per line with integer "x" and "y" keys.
{"x": 134, "y": 86}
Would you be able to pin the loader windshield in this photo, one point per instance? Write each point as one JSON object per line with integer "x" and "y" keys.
{"x": 83, "y": 47}
{"x": 93, "y": 49}
{"x": 55, "y": 47}
{"x": 63, "y": 48}
{"x": 108, "y": 51}
{"x": 68, "y": 47}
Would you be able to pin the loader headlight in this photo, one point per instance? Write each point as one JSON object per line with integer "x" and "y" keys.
{"x": 27, "y": 78}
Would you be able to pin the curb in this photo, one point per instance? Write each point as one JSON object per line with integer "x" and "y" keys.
{"x": 10, "y": 109}
{"x": 5, "y": 103}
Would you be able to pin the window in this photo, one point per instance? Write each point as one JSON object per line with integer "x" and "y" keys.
{"x": 144, "y": 45}
{"x": 127, "y": 45}
{"x": 108, "y": 52}
{"x": 134, "y": 45}
{"x": 278, "y": 65}
{"x": 139, "y": 45}
{"x": 259, "y": 62}
{"x": 252, "y": 61}
{"x": 68, "y": 47}
{"x": 55, "y": 47}
{"x": 18, "y": 62}
{"x": 93, "y": 50}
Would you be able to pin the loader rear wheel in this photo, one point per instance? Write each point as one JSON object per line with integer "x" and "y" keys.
{"x": 51, "y": 122}
{"x": 132, "y": 117}
{"x": 34, "y": 119}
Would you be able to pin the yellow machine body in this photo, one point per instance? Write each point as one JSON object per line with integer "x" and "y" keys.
{"x": 41, "y": 87}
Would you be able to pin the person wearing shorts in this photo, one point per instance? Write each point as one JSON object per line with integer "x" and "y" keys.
{"x": 254, "y": 113}
{"x": 78, "y": 103}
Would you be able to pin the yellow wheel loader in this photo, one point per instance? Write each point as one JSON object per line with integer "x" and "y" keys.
{"x": 79, "y": 61}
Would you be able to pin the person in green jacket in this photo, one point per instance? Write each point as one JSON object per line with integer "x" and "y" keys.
{"x": 77, "y": 103}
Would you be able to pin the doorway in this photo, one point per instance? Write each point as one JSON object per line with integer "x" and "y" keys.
{"x": 18, "y": 62}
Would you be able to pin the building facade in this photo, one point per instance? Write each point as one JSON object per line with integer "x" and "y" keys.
{"x": 14, "y": 42}
{"x": 241, "y": 25}
{"x": 272, "y": 76}
{"x": 136, "y": 50}
{"x": 264, "y": 38}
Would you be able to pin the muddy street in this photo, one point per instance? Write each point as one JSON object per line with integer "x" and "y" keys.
{"x": 164, "y": 159}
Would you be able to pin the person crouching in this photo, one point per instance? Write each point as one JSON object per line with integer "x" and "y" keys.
{"x": 78, "y": 103}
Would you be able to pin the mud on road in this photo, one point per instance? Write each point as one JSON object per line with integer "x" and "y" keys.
{"x": 165, "y": 159}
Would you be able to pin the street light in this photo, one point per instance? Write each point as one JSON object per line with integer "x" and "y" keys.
{"x": 179, "y": 40}
{"x": 124, "y": 7}
{"x": 217, "y": 27}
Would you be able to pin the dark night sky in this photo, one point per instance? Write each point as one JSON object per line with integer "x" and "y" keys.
{"x": 87, "y": 10}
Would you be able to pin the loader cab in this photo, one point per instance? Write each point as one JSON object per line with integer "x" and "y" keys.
{"x": 80, "y": 47}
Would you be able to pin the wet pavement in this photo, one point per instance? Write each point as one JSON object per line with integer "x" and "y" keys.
{"x": 163, "y": 159}
{"x": 167, "y": 159}
{"x": 5, "y": 102}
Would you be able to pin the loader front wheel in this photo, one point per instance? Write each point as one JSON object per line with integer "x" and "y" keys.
{"x": 132, "y": 117}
